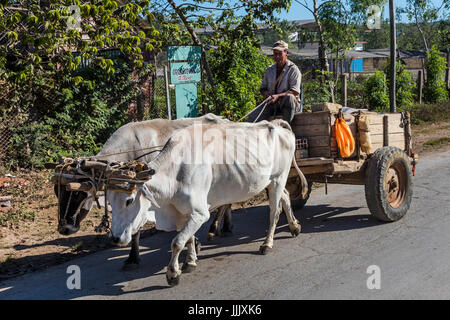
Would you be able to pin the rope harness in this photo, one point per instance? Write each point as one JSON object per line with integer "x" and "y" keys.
{"x": 99, "y": 175}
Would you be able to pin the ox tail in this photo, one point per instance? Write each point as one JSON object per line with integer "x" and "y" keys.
{"x": 303, "y": 181}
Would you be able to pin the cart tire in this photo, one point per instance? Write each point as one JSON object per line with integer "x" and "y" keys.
{"x": 388, "y": 185}
{"x": 293, "y": 186}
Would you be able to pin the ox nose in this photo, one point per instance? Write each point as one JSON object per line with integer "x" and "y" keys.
{"x": 115, "y": 240}
{"x": 66, "y": 230}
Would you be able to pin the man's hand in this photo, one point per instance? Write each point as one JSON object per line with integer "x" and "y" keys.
{"x": 274, "y": 98}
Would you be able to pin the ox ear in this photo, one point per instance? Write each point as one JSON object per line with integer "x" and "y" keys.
{"x": 148, "y": 194}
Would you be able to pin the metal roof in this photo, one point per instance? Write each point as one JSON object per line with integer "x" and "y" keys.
{"x": 312, "y": 53}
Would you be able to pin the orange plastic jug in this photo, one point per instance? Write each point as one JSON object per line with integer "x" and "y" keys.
{"x": 344, "y": 138}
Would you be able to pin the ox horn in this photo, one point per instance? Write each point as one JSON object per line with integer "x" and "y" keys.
{"x": 148, "y": 194}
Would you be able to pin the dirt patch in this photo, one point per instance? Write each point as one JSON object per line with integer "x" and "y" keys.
{"x": 28, "y": 237}
{"x": 428, "y": 138}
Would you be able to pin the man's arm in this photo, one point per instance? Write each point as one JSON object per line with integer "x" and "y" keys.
{"x": 277, "y": 96}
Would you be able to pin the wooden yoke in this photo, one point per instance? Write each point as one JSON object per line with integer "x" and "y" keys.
{"x": 93, "y": 175}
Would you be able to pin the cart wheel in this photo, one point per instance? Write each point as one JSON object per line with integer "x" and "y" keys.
{"x": 295, "y": 192}
{"x": 388, "y": 184}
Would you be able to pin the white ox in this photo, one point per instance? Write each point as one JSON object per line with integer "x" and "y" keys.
{"x": 193, "y": 177}
{"x": 128, "y": 143}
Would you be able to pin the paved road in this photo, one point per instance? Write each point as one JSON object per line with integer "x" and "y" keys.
{"x": 328, "y": 260}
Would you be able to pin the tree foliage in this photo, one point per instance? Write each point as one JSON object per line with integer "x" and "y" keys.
{"x": 75, "y": 119}
{"x": 44, "y": 35}
{"x": 228, "y": 40}
{"x": 404, "y": 85}
{"x": 238, "y": 67}
{"x": 376, "y": 93}
{"x": 435, "y": 89}
{"x": 424, "y": 14}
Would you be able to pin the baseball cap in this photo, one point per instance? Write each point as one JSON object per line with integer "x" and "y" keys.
{"x": 280, "y": 45}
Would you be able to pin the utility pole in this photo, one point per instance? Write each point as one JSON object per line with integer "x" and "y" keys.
{"x": 392, "y": 69}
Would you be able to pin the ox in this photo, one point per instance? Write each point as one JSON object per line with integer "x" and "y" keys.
{"x": 192, "y": 177}
{"x": 127, "y": 143}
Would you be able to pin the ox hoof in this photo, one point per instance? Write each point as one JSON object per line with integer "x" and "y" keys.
{"x": 295, "y": 232}
{"x": 264, "y": 250}
{"x": 211, "y": 236}
{"x": 188, "y": 268}
{"x": 173, "y": 280}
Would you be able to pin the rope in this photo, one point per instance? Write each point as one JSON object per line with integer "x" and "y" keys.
{"x": 122, "y": 152}
{"x": 264, "y": 102}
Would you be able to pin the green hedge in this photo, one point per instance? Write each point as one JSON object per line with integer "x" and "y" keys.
{"x": 72, "y": 117}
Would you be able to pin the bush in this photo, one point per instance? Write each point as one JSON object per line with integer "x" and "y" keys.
{"x": 355, "y": 93}
{"x": 404, "y": 85}
{"x": 376, "y": 95}
{"x": 238, "y": 67}
{"x": 72, "y": 117}
{"x": 435, "y": 89}
{"x": 314, "y": 92}
{"x": 377, "y": 89}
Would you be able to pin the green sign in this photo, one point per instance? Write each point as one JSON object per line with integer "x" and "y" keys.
{"x": 186, "y": 97}
{"x": 184, "y": 53}
{"x": 185, "y": 72}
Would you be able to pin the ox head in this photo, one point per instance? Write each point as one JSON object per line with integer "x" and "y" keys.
{"x": 129, "y": 213}
{"x": 73, "y": 208}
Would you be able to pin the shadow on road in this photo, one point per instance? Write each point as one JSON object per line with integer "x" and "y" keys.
{"x": 104, "y": 276}
{"x": 326, "y": 218}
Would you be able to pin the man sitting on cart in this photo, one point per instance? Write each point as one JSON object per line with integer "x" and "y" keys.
{"x": 280, "y": 87}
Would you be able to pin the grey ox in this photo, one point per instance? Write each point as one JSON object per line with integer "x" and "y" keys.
{"x": 192, "y": 177}
{"x": 128, "y": 143}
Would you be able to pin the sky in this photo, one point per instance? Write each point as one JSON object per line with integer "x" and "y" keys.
{"x": 297, "y": 12}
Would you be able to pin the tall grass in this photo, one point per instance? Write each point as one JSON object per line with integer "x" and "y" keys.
{"x": 431, "y": 112}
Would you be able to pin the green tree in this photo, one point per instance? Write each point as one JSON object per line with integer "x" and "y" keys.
{"x": 56, "y": 107}
{"x": 376, "y": 93}
{"x": 404, "y": 85}
{"x": 424, "y": 15}
{"x": 224, "y": 25}
{"x": 76, "y": 119}
{"x": 435, "y": 89}
{"x": 377, "y": 38}
{"x": 336, "y": 21}
{"x": 43, "y": 35}
{"x": 238, "y": 67}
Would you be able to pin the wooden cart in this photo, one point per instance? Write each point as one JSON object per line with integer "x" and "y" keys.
{"x": 382, "y": 161}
